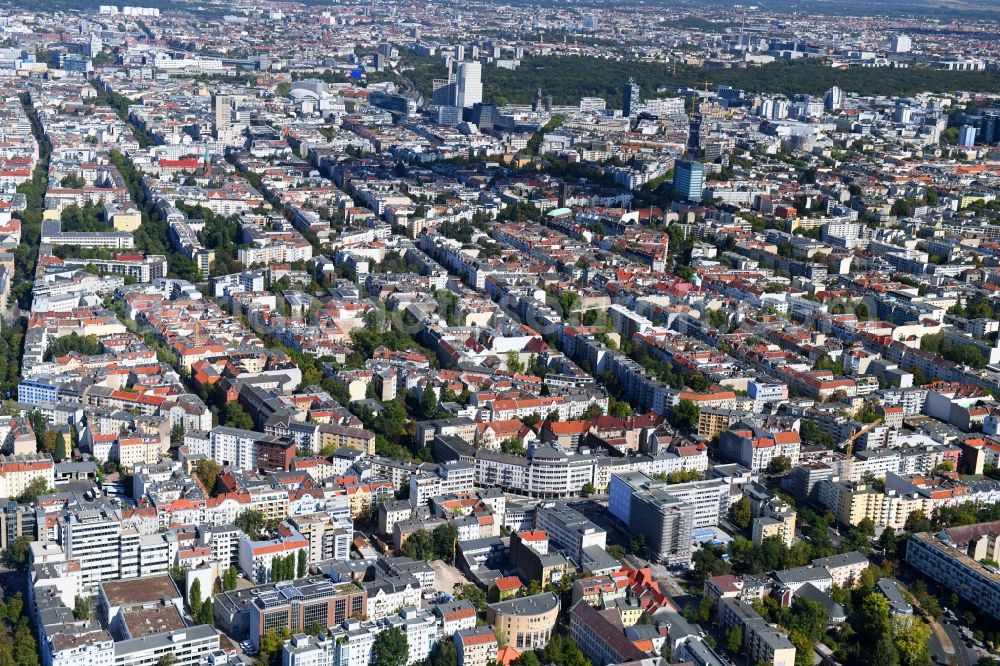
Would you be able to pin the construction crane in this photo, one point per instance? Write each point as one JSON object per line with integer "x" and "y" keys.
{"x": 849, "y": 446}
{"x": 706, "y": 84}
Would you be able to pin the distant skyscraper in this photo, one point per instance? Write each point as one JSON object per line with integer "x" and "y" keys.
{"x": 967, "y": 136}
{"x": 630, "y": 98}
{"x": 834, "y": 99}
{"x": 901, "y": 44}
{"x": 469, "y": 84}
{"x": 222, "y": 107}
{"x": 990, "y": 128}
{"x": 689, "y": 179}
{"x": 460, "y": 52}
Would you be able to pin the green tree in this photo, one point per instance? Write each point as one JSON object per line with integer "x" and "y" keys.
{"x": 884, "y": 652}
{"x": 419, "y": 546}
{"x": 779, "y": 465}
{"x": 269, "y": 648}
{"x": 17, "y": 551}
{"x": 194, "y": 597}
{"x": 207, "y": 472}
{"x": 390, "y": 648}
{"x": 251, "y": 522}
{"x": 428, "y": 402}
{"x": 475, "y": 596}
{"x": 234, "y": 416}
{"x": 874, "y": 617}
{"x": 81, "y": 609}
{"x": 445, "y": 654}
{"x": 887, "y": 541}
{"x": 733, "y": 640}
{"x": 804, "y": 652}
{"x": 739, "y": 513}
{"x": 686, "y": 415}
{"x": 37, "y": 486}
{"x": 912, "y": 637}
{"x": 918, "y": 522}
{"x": 443, "y": 538}
{"x": 527, "y": 658}
{"x": 807, "y": 617}
{"x": 60, "y": 452}
{"x": 229, "y": 579}
{"x": 205, "y": 614}
{"x": 514, "y": 362}
{"x": 563, "y": 651}
{"x": 303, "y": 564}
{"x": 167, "y": 660}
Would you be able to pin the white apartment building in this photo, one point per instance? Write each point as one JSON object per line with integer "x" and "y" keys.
{"x": 233, "y": 446}
{"x": 91, "y": 536}
{"x": 420, "y": 628}
{"x": 190, "y": 646}
{"x": 386, "y": 597}
{"x": 450, "y": 478}
{"x": 257, "y": 557}
{"x": 476, "y": 646}
{"x": 548, "y": 473}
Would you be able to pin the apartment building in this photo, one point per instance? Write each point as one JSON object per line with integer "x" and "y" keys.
{"x": 547, "y": 472}
{"x": 456, "y": 616}
{"x": 762, "y": 643}
{"x": 953, "y": 560}
{"x": 257, "y": 557}
{"x": 450, "y": 478}
{"x": 851, "y": 502}
{"x": 17, "y": 471}
{"x": 568, "y": 529}
{"x": 476, "y": 646}
{"x": 771, "y": 516}
{"x": 755, "y": 448}
{"x": 91, "y": 535}
{"x": 420, "y": 628}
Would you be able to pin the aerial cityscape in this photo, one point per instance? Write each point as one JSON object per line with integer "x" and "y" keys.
{"x": 559, "y": 333}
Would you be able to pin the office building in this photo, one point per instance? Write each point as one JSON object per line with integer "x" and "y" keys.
{"x": 834, "y": 99}
{"x": 298, "y": 605}
{"x": 901, "y": 44}
{"x": 469, "y": 84}
{"x": 16, "y": 520}
{"x": 989, "y": 128}
{"x": 689, "y": 179}
{"x": 222, "y": 111}
{"x": 525, "y": 623}
{"x": 708, "y": 500}
{"x": 647, "y": 507}
{"x": 568, "y": 529}
{"x": 630, "y": 98}
{"x": 967, "y": 136}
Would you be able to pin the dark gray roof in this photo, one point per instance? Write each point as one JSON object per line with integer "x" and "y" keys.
{"x": 536, "y": 604}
